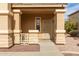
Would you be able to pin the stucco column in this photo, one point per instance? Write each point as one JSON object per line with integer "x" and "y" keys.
{"x": 59, "y": 26}
{"x": 5, "y": 25}
{"x": 17, "y": 25}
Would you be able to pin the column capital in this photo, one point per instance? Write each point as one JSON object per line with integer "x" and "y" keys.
{"x": 17, "y": 11}
{"x": 17, "y": 31}
{"x": 59, "y": 11}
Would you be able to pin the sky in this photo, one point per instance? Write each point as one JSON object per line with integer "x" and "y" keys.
{"x": 71, "y": 7}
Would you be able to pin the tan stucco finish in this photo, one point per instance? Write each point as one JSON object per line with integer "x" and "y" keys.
{"x": 17, "y": 25}
{"x": 59, "y": 29}
{"x": 5, "y": 26}
{"x": 74, "y": 18}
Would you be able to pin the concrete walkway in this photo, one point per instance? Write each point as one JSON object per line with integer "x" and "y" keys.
{"x": 47, "y": 48}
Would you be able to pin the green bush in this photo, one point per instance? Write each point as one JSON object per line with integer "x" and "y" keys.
{"x": 70, "y": 26}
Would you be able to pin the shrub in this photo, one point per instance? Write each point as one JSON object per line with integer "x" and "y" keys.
{"x": 70, "y": 26}
{"x": 74, "y": 33}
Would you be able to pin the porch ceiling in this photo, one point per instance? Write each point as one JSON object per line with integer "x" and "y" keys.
{"x": 37, "y": 11}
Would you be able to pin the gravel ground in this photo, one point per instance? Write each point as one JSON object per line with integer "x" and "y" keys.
{"x": 69, "y": 54}
{"x": 72, "y": 45}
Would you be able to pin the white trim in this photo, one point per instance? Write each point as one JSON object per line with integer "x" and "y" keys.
{"x": 5, "y": 12}
{"x": 39, "y": 5}
{"x": 17, "y": 31}
{"x": 17, "y": 11}
{"x": 33, "y": 31}
{"x": 60, "y": 31}
{"x": 60, "y": 10}
{"x": 5, "y": 31}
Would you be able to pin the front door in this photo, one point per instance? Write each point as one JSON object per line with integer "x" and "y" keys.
{"x": 38, "y": 23}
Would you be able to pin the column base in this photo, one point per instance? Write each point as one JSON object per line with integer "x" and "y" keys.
{"x": 60, "y": 39}
{"x": 5, "y": 41}
{"x": 16, "y": 38}
{"x": 60, "y": 43}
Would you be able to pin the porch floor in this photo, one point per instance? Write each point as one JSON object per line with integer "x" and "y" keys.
{"x": 47, "y": 48}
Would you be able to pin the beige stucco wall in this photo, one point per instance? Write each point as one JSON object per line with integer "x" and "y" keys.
{"x": 5, "y": 25}
{"x": 27, "y": 22}
{"x": 75, "y": 19}
{"x": 4, "y": 6}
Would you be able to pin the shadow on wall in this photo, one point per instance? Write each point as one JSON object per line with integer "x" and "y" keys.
{"x": 13, "y": 27}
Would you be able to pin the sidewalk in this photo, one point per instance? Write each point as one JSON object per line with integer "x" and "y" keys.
{"x": 47, "y": 48}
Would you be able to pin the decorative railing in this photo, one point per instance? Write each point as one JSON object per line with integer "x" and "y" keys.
{"x": 24, "y": 38}
{"x": 29, "y": 38}
{"x": 33, "y": 37}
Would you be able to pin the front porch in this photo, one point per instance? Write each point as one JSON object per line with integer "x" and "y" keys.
{"x": 46, "y": 21}
{"x": 37, "y": 19}
{"x": 20, "y": 18}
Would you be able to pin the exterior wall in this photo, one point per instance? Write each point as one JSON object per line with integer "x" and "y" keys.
{"x": 75, "y": 19}
{"x": 28, "y": 23}
{"x": 5, "y": 6}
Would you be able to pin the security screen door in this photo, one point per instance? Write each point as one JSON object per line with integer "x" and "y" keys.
{"x": 38, "y": 23}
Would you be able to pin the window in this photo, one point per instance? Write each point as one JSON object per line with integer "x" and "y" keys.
{"x": 37, "y": 23}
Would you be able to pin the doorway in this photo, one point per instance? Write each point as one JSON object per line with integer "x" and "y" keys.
{"x": 38, "y": 23}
